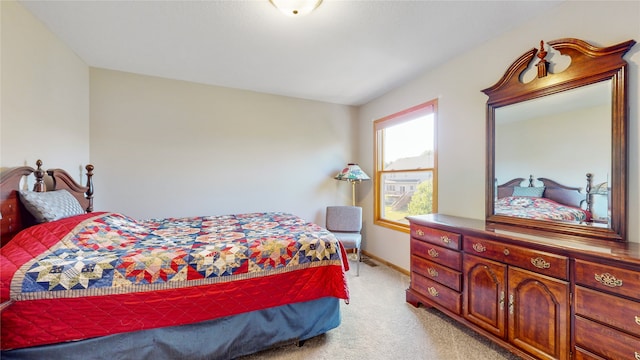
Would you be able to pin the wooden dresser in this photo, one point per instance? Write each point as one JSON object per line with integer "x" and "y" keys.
{"x": 541, "y": 295}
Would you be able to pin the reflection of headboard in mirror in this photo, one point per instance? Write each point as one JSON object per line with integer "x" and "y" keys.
{"x": 506, "y": 189}
{"x": 588, "y": 65}
{"x": 574, "y": 196}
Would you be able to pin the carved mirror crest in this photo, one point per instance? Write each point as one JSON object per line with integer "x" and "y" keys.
{"x": 557, "y": 144}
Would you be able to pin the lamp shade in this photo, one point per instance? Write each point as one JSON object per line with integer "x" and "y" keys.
{"x": 352, "y": 173}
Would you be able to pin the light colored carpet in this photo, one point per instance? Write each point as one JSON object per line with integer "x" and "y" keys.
{"x": 379, "y": 324}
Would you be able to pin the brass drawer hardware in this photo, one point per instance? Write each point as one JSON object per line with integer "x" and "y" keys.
{"x": 432, "y": 272}
{"x": 609, "y": 280}
{"x": 445, "y": 239}
{"x": 501, "y": 299}
{"x": 433, "y": 291}
{"x": 638, "y": 320}
{"x": 506, "y": 252}
{"x": 637, "y": 355}
{"x": 511, "y": 300}
{"x": 433, "y": 253}
{"x": 419, "y": 232}
{"x": 478, "y": 247}
{"x": 540, "y": 263}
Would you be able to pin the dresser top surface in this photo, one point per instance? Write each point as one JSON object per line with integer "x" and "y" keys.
{"x": 575, "y": 245}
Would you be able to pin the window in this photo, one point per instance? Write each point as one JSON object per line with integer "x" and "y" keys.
{"x": 405, "y": 165}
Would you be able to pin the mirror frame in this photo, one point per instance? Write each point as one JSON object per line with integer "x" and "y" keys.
{"x": 589, "y": 64}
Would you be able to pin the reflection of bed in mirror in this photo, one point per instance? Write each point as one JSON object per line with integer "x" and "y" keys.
{"x": 543, "y": 199}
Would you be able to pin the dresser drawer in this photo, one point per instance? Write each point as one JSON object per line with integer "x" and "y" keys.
{"x": 612, "y": 310}
{"x": 437, "y": 272}
{"x": 607, "y": 278}
{"x": 534, "y": 260}
{"x": 605, "y": 341}
{"x": 438, "y": 237}
{"x": 437, "y": 293}
{"x": 438, "y": 254}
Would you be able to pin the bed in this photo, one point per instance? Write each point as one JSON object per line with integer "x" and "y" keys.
{"x": 104, "y": 285}
{"x": 548, "y": 200}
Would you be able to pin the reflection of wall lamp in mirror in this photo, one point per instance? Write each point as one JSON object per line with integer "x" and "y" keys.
{"x": 600, "y": 189}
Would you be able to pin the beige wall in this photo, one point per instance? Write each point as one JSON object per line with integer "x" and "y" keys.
{"x": 162, "y": 147}
{"x": 461, "y": 107}
{"x": 580, "y": 140}
{"x": 172, "y": 148}
{"x": 45, "y": 96}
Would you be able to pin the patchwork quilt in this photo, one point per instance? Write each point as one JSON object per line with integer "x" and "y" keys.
{"x": 104, "y": 273}
{"x": 539, "y": 208}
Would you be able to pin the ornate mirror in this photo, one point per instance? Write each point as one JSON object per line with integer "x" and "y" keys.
{"x": 557, "y": 141}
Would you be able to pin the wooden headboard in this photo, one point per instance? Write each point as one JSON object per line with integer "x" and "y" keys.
{"x": 566, "y": 195}
{"x": 506, "y": 189}
{"x": 15, "y": 217}
{"x": 562, "y": 194}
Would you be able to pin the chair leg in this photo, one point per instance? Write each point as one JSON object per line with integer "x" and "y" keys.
{"x": 358, "y": 261}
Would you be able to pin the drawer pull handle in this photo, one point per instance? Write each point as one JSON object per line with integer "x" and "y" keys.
{"x": 434, "y": 273}
{"x": 638, "y": 320}
{"x": 419, "y": 232}
{"x": 433, "y": 253}
{"x": 445, "y": 239}
{"x": 433, "y": 292}
{"x": 511, "y": 300}
{"x": 501, "y": 299}
{"x": 479, "y": 247}
{"x": 540, "y": 263}
{"x": 609, "y": 280}
{"x": 637, "y": 355}
{"x": 506, "y": 252}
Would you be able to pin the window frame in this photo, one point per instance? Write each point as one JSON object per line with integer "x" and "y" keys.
{"x": 378, "y": 150}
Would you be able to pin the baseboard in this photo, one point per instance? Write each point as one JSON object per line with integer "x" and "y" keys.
{"x": 386, "y": 263}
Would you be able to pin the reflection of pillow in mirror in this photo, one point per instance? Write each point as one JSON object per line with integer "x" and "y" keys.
{"x": 530, "y": 191}
{"x": 51, "y": 205}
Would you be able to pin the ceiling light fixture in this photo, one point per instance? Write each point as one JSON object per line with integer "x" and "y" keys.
{"x": 295, "y": 7}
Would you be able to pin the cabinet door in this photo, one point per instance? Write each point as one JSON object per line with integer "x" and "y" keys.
{"x": 484, "y": 294}
{"x": 538, "y": 314}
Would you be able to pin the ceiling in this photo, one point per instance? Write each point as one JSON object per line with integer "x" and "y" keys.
{"x": 345, "y": 52}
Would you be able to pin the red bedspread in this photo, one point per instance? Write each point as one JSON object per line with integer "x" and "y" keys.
{"x": 111, "y": 274}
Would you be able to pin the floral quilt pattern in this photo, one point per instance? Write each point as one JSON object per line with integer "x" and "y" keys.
{"x": 538, "y": 208}
{"x": 113, "y": 253}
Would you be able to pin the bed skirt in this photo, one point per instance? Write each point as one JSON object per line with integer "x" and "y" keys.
{"x": 223, "y": 338}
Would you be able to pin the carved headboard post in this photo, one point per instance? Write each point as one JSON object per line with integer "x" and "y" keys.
{"x": 89, "y": 192}
{"x": 587, "y": 190}
{"x": 39, "y": 186}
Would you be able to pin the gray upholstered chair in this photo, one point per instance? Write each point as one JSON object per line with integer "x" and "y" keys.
{"x": 345, "y": 222}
